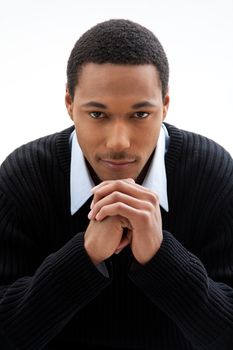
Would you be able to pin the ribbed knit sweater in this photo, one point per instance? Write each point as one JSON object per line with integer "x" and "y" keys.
{"x": 51, "y": 294}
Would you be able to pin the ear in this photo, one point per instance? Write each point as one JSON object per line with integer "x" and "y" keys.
{"x": 166, "y": 104}
{"x": 69, "y": 103}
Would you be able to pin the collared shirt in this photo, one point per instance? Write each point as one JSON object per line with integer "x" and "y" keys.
{"x": 81, "y": 182}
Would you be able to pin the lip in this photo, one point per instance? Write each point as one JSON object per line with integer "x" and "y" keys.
{"x": 118, "y": 165}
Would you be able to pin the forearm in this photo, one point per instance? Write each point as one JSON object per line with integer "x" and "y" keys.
{"x": 34, "y": 309}
{"x": 177, "y": 283}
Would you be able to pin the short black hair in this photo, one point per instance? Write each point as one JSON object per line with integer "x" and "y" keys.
{"x": 117, "y": 41}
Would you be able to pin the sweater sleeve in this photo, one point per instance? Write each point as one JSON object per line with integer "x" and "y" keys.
{"x": 35, "y": 307}
{"x": 178, "y": 283}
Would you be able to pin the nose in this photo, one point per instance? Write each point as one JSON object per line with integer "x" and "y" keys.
{"x": 118, "y": 137}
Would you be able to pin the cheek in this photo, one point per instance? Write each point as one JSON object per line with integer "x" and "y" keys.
{"x": 83, "y": 130}
{"x": 88, "y": 141}
{"x": 148, "y": 140}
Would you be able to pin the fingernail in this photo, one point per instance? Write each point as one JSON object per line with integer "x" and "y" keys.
{"x": 90, "y": 215}
{"x": 94, "y": 188}
{"x": 130, "y": 180}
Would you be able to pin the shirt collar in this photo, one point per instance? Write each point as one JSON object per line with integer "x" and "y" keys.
{"x": 81, "y": 182}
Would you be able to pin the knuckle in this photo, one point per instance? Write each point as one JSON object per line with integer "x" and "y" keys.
{"x": 116, "y": 183}
{"x": 153, "y": 198}
{"x": 120, "y": 184}
{"x": 101, "y": 211}
{"x": 97, "y": 195}
{"x": 150, "y": 206}
{"x": 144, "y": 216}
{"x": 115, "y": 196}
{"x": 118, "y": 205}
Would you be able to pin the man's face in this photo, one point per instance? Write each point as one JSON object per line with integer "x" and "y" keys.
{"x": 117, "y": 111}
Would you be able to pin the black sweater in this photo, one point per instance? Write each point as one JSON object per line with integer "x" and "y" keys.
{"x": 52, "y": 294}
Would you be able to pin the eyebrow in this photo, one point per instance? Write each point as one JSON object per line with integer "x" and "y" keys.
{"x": 94, "y": 104}
{"x": 143, "y": 104}
{"x": 134, "y": 106}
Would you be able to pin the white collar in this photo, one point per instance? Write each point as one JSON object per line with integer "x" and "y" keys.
{"x": 81, "y": 182}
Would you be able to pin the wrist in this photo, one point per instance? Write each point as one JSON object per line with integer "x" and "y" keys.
{"x": 143, "y": 259}
{"x": 96, "y": 260}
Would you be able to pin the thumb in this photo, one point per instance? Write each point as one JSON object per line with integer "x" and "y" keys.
{"x": 126, "y": 239}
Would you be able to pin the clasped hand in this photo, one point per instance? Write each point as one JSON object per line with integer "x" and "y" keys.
{"x": 120, "y": 204}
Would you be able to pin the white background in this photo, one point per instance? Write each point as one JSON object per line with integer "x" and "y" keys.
{"x": 36, "y": 38}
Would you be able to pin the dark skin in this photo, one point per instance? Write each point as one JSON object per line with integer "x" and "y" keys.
{"x": 118, "y": 111}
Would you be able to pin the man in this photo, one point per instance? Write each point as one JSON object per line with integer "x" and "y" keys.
{"x": 117, "y": 233}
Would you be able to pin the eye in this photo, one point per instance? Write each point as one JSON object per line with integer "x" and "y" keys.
{"x": 96, "y": 115}
{"x": 141, "y": 115}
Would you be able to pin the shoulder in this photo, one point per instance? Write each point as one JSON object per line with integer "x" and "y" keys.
{"x": 196, "y": 149}
{"x": 34, "y": 158}
{"x": 198, "y": 162}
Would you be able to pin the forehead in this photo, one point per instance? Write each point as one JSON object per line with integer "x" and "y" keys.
{"x": 117, "y": 80}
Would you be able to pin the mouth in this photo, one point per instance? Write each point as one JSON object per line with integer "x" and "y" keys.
{"x": 118, "y": 164}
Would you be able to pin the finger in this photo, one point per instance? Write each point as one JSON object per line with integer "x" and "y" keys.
{"x": 104, "y": 183}
{"x": 117, "y": 251}
{"x": 129, "y": 188}
{"x": 123, "y": 243}
{"x": 135, "y": 217}
{"x": 117, "y": 197}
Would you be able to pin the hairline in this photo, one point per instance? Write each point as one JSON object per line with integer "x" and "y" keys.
{"x": 81, "y": 66}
